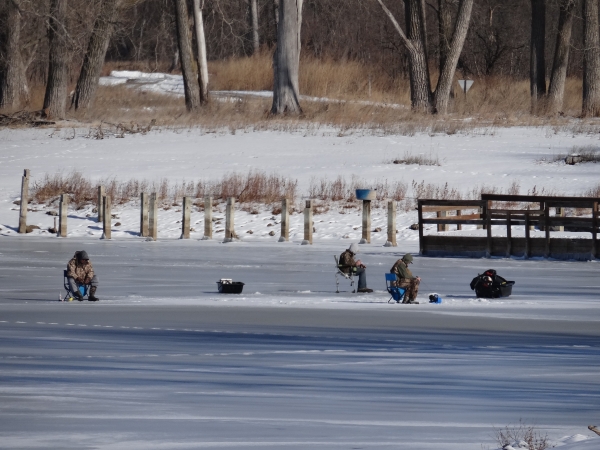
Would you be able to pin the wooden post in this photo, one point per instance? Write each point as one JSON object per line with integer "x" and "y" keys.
{"x": 185, "y": 221}
{"x": 62, "y": 218}
{"x": 480, "y": 211}
{"x": 101, "y": 194}
{"x": 488, "y": 226}
{"x": 208, "y": 218}
{"x": 229, "y": 219}
{"x": 366, "y": 223}
{"x": 442, "y": 226}
{"x": 285, "y": 221}
{"x": 458, "y": 225}
{"x": 153, "y": 217}
{"x": 527, "y": 236}
{"x": 24, "y": 202}
{"x": 560, "y": 212}
{"x": 420, "y": 209}
{"x": 308, "y": 223}
{"x": 547, "y": 229}
{"x": 107, "y": 217}
{"x": 542, "y": 208}
{"x": 143, "y": 214}
{"x": 486, "y": 209}
{"x": 594, "y": 230}
{"x": 391, "y": 226}
{"x": 508, "y": 235}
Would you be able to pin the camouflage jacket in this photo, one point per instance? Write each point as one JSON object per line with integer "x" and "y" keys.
{"x": 80, "y": 273}
{"x": 347, "y": 261}
{"x": 401, "y": 270}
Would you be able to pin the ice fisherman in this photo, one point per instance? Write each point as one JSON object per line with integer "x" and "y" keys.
{"x": 79, "y": 273}
{"x": 406, "y": 279}
{"x": 349, "y": 264}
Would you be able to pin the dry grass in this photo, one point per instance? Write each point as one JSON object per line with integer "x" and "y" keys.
{"x": 253, "y": 187}
{"x": 524, "y": 435}
{"x": 419, "y": 160}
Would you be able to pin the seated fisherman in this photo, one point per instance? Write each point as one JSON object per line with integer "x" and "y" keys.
{"x": 406, "y": 279}
{"x": 79, "y": 273}
{"x": 349, "y": 264}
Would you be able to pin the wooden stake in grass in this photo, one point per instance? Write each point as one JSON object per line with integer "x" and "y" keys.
{"x": 185, "y": 221}
{"x": 62, "y": 219}
{"x": 308, "y": 223}
{"x": 366, "y": 223}
{"x": 24, "y": 202}
{"x": 229, "y": 217}
{"x": 391, "y": 228}
{"x": 153, "y": 217}
{"x": 207, "y": 218}
{"x": 143, "y": 214}
{"x": 285, "y": 221}
{"x": 107, "y": 216}
{"x": 101, "y": 195}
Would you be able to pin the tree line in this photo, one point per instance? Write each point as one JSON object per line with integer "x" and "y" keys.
{"x": 65, "y": 43}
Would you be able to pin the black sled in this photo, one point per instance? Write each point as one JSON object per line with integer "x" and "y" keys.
{"x": 491, "y": 285}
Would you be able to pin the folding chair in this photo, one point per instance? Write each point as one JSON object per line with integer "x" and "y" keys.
{"x": 70, "y": 296}
{"x": 397, "y": 293}
{"x": 338, "y": 272}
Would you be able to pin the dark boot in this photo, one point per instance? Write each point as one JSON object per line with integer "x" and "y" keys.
{"x": 92, "y": 297}
{"x": 78, "y": 295}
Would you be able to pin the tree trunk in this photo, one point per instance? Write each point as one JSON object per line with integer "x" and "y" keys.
{"x": 556, "y": 91}
{"x": 421, "y": 98}
{"x": 55, "y": 101}
{"x": 95, "y": 55}
{"x": 190, "y": 83}
{"x": 444, "y": 30}
{"x": 420, "y": 83}
{"x": 10, "y": 72}
{"x": 286, "y": 59}
{"x": 537, "y": 77}
{"x": 254, "y": 24}
{"x": 201, "y": 47}
{"x": 591, "y": 59}
{"x": 444, "y": 86}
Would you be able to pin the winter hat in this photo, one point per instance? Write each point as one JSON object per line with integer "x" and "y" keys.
{"x": 353, "y": 248}
{"x": 83, "y": 255}
{"x": 408, "y": 258}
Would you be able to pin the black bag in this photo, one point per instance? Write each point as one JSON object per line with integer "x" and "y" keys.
{"x": 491, "y": 285}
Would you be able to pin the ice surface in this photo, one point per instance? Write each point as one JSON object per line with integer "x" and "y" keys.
{"x": 163, "y": 361}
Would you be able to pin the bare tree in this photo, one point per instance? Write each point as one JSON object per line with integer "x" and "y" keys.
{"x": 93, "y": 60}
{"x": 444, "y": 29}
{"x": 201, "y": 48}
{"x": 537, "y": 76}
{"x": 10, "y": 73}
{"x": 561, "y": 57}
{"x": 422, "y": 98}
{"x": 190, "y": 83}
{"x": 591, "y": 59}
{"x": 286, "y": 59}
{"x": 55, "y": 100}
{"x": 254, "y": 26}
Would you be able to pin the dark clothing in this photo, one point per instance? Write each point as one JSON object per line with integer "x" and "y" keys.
{"x": 406, "y": 280}
{"x": 412, "y": 288}
{"x": 348, "y": 264}
{"x": 401, "y": 270}
{"x": 81, "y": 273}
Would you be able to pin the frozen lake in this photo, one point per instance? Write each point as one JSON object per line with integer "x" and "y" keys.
{"x": 163, "y": 361}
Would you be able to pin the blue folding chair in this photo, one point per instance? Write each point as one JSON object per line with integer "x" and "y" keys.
{"x": 69, "y": 297}
{"x": 397, "y": 293}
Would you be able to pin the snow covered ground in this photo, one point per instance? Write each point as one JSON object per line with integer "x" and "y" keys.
{"x": 165, "y": 362}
